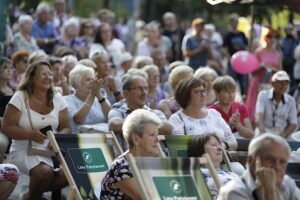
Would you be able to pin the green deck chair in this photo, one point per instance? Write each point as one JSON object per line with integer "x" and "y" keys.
{"x": 160, "y": 178}
{"x": 85, "y": 159}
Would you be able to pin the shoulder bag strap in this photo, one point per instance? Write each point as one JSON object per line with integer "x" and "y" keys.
{"x": 30, "y": 150}
{"x": 184, "y": 128}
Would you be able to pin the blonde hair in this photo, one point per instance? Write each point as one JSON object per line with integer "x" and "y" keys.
{"x": 176, "y": 74}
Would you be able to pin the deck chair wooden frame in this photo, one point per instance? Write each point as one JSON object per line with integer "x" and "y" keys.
{"x": 145, "y": 178}
{"x": 74, "y": 192}
{"x": 182, "y": 141}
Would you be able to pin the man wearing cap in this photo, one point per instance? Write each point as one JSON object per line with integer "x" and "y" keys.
{"x": 275, "y": 109}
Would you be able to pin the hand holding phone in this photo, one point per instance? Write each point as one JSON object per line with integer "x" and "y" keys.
{"x": 46, "y": 129}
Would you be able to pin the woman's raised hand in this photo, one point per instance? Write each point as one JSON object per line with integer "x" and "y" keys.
{"x": 97, "y": 83}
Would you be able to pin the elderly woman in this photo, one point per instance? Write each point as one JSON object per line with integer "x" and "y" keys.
{"x": 140, "y": 129}
{"x": 211, "y": 145}
{"x": 155, "y": 93}
{"x": 20, "y": 63}
{"x": 194, "y": 118}
{"x": 208, "y": 75}
{"x": 22, "y": 39}
{"x": 234, "y": 113}
{"x": 170, "y": 106}
{"x": 32, "y": 108}
{"x": 154, "y": 40}
{"x": 111, "y": 86}
{"x": 87, "y": 105}
{"x": 70, "y": 37}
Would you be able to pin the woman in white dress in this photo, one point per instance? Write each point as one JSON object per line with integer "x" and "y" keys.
{"x": 46, "y": 108}
{"x": 194, "y": 118}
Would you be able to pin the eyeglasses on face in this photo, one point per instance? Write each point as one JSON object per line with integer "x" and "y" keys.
{"x": 202, "y": 92}
{"x": 140, "y": 89}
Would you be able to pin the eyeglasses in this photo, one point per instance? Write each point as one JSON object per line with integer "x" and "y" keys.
{"x": 201, "y": 92}
{"x": 140, "y": 89}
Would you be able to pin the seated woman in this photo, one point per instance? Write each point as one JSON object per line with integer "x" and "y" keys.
{"x": 234, "y": 113}
{"x": 194, "y": 118}
{"x": 140, "y": 129}
{"x": 33, "y": 107}
{"x": 155, "y": 93}
{"x": 170, "y": 106}
{"x": 208, "y": 75}
{"x": 87, "y": 105}
{"x": 211, "y": 145}
{"x": 6, "y": 92}
{"x": 9, "y": 175}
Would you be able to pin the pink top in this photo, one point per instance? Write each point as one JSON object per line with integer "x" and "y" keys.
{"x": 270, "y": 58}
{"x": 235, "y": 106}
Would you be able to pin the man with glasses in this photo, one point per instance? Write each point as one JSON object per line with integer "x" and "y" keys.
{"x": 276, "y": 110}
{"x": 135, "y": 89}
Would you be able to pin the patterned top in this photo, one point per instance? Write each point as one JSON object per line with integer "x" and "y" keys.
{"x": 224, "y": 177}
{"x": 212, "y": 123}
{"x": 20, "y": 43}
{"x": 9, "y": 172}
{"x": 118, "y": 171}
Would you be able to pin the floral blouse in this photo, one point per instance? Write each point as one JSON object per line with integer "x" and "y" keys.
{"x": 224, "y": 177}
{"x": 118, "y": 171}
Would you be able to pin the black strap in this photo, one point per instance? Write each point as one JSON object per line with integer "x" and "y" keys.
{"x": 184, "y": 128}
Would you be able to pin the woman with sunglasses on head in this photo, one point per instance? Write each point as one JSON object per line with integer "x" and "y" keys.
{"x": 194, "y": 118}
{"x": 270, "y": 60}
{"x": 20, "y": 63}
{"x": 34, "y": 107}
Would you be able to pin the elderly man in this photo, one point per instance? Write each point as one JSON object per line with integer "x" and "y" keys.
{"x": 276, "y": 110}
{"x": 135, "y": 89}
{"x": 265, "y": 175}
{"x": 43, "y": 30}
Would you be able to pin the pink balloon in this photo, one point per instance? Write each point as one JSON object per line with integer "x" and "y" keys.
{"x": 244, "y": 62}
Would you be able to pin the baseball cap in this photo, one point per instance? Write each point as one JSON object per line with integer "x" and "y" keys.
{"x": 280, "y": 76}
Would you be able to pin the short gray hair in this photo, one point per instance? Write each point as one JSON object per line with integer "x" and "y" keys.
{"x": 176, "y": 74}
{"x": 135, "y": 124}
{"x": 42, "y": 7}
{"x": 203, "y": 71}
{"x": 262, "y": 142}
{"x": 24, "y": 18}
{"x": 77, "y": 73}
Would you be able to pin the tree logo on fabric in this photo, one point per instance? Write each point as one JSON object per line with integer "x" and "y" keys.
{"x": 175, "y": 186}
{"x": 87, "y": 157}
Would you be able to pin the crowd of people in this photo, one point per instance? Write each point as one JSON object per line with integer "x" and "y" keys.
{"x": 61, "y": 72}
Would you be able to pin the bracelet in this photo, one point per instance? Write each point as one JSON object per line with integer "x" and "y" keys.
{"x": 117, "y": 93}
{"x": 101, "y": 100}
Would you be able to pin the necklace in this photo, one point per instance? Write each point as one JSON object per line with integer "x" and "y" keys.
{"x": 36, "y": 100}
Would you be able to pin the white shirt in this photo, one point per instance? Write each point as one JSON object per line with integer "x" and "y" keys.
{"x": 242, "y": 189}
{"x": 276, "y": 117}
{"x": 212, "y": 123}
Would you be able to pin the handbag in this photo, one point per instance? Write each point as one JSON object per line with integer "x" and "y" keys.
{"x": 30, "y": 149}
